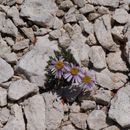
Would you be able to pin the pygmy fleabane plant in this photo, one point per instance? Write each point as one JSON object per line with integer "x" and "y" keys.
{"x": 63, "y": 70}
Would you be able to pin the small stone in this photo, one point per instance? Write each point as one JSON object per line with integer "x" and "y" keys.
{"x": 113, "y": 127}
{"x": 55, "y": 34}
{"x": 114, "y": 64}
{"x": 87, "y": 9}
{"x": 74, "y": 108}
{"x": 42, "y": 31}
{"x": 20, "y": 45}
{"x": 119, "y": 110}
{"x": 97, "y": 57}
{"x": 103, "y": 33}
{"x": 121, "y": 16}
{"x": 6, "y": 71}
{"x": 86, "y": 26}
{"x": 102, "y": 10}
{"x": 91, "y": 40}
{"x": 11, "y": 57}
{"x": 80, "y": 3}
{"x": 16, "y": 118}
{"x": 88, "y": 105}
{"x": 29, "y": 33}
{"x": 102, "y": 96}
{"x": 67, "y": 4}
{"x": 60, "y": 13}
{"x": 68, "y": 127}
{"x": 35, "y": 113}
{"x": 79, "y": 120}
{"x": 20, "y": 89}
{"x": 93, "y": 16}
{"x": 3, "y": 97}
{"x": 96, "y": 120}
{"x": 9, "y": 41}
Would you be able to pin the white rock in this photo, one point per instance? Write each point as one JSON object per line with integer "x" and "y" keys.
{"x": 119, "y": 109}
{"x": 3, "y": 97}
{"x": 110, "y": 3}
{"x": 7, "y": 26}
{"x": 6, "y": 71}
{"x": 97, "y": 57}
{"x": 35, "y": 113}
{"x": 35, "y": 61}
{"x": 114, "y": 64}
{"x": 86, "y": 26}
{"x": 79, "y": 120}
{"x": 103, "y": 33}
{"x": 54, "y": 107}
{"x": 20, "y": 45}
{"x": 121, "y": 16}
{"x": 16, "y": 121}
{"x": 96, "y": 120}
{"x": 88, "y": 105}
{"x": 39, "y": 11}
{"x": 20, "y": 89}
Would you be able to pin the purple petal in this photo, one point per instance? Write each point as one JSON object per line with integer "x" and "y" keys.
{"x": 69, "y": 78}
{"x": 53, "y": 62}
{"x": 67, "y": 75}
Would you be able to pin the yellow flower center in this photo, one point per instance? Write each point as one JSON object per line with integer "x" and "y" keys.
{"x": 74, "y": 71}
{"x": 59, "y": 65}
{"x": 86, "y": 79}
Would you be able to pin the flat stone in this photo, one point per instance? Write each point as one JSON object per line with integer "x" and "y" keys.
{"x": 35, "y": 113}
{"x": 97, "y": 57}
{"x": 16, "y": 118}
{"x": 86, "y": 26}
{"x": 20, "y": 45}
{"x": 6, "y": 71}
{"x": 43, "y": 11}
{"x": 119, "y": 110}
{"x": 54, "y": 107}
{"x": 11, "y": 57}
{"x": 114, "y": 64}
{"x": 110, "y": 3}
{"x": 35, "y": 61}
{"x": 102, "y": 96}
{"x": 3, "y": 97}
{"x": 79, "y": 120}
{"x": 55, "y": 34}
{"x": 80, "y": 3}
{"x": 20, "y": 89}
{"x": 93, "y": 16}
{"x": 103, "y": 33}
{"x": 121, "y": 16}
{"x": 7, "y": 26}
{"x": 96, "y": 120}
{"x": 88, "y": 105}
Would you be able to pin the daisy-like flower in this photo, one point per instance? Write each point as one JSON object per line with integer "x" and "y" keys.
{"x": 87, "y": 80}
{"x": 73, "y": 73}
{"x": 58, "y": 67}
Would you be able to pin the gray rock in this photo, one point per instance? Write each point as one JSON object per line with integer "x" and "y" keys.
{"x": 67, "y": 4}
{"x": 42, "y": 31}
{"x": 79, "y": 120}
{"x": 113, "y": 127}
{"x": 103, "y": 33}
{"x": 102, "y": 10}
{"x": 119, "y": 109}
{"x": 6, "y": 71}
{"x": 102, "y": 96}
{"x": 16, "y": 118}
{"x": 9, "y": 41}
{"x": 91, "y": 40}
{"x": 11, "y": 57}
{"x": 114, "y": 64}
{"x": 3, "y": 97}
{"x": 20, "y": 89}
{"x": 7, "y": 26}
{"x": 87, "y": 9}
{"x": 74, "y": 107}
{"x": 96, "y": 120}
{"x": 86, "y": 26}
{"x": 97, "y": 57}
{"x": 54, "y": 107}
{"x": 68, "y": 127}
{"x": 35, "y": 113}
{"x": 55, "y": 34}
{"x": 29, "y": 33}
{"x": 93, "y": 16}
{"x": 20, "y": 45}
{"x": 110, "y": 3}
{"x": 43, "y": 11}
{"x": 14, "y": 14}
{"x": 121, "y": 16}
{"x": 88, "y": 105}
{"x": 80, "y": 3}
{"x": 105, "y": 80}
{"x": 4, "y": 116}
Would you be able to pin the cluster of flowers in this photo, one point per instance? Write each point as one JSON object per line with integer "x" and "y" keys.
{"x": 71, "y": 73}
